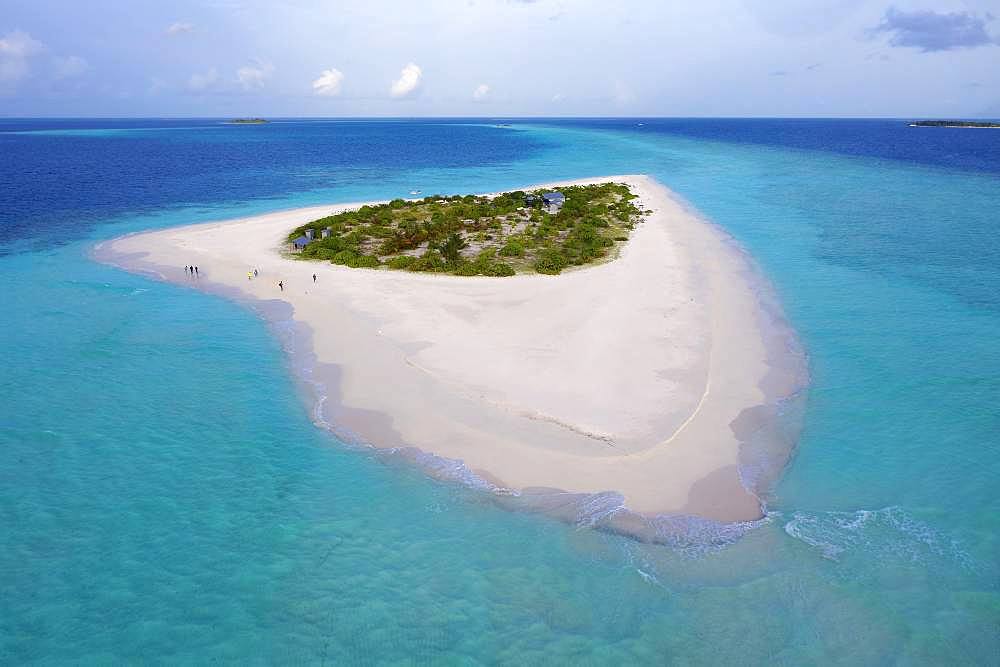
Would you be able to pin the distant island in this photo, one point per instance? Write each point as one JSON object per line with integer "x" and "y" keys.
{"x": 246, "y": 121}
{"x": 953, "y": 123}
{"x": 512, "y": 232}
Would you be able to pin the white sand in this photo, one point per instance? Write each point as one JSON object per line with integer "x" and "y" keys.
{"x": 625, "y": 376}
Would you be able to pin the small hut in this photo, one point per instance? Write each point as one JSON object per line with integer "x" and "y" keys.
{"x": 553, "y": 201}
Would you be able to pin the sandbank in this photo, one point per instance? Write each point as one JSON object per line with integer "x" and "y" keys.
{"x": 648, "y": 376}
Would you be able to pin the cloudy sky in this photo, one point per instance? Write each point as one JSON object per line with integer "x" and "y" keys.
{"x": 500, "y": 57}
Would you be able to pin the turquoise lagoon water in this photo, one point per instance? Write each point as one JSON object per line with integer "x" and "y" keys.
{"x": 165, "y": 497}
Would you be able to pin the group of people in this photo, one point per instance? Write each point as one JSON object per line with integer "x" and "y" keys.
{"x": 252, "y": 273}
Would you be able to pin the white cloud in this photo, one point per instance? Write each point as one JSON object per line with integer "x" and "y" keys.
{"x": 408, "y": 81}
{"x": 69, "y": 67}
{"x": 481, "y": 92}
{"x": 16, "y": 49}
{"x": 203, "y": 81}
{"x": 248, "y": 78}
{"x": 328, "y": 82}
{"x": 179, "y": 28}
{"x": 19, "y": 44}
{"x": 253, "y": 76}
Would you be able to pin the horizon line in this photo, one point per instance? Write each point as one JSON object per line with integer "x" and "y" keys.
{"x": 500, "y": 118}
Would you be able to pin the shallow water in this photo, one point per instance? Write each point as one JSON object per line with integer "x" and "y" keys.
{"x": 164, "y": 495}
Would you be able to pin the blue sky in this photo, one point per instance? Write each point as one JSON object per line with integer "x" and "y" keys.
{"x": 500, "y": 58}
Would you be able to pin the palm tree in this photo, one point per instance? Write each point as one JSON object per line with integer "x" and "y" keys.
{"x": 452, "y": 247}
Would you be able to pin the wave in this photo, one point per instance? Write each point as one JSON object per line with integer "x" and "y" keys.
{"x": 890, "y": 533}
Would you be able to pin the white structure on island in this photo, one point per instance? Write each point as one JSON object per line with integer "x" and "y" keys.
{"x": 552, "y": 202}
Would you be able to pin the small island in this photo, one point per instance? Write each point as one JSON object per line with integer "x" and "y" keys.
{"x": 953, "y": 123}
{"x": 636, "y": 384}
{"x": 500, "y": 235}
{"x": 246, "y": 121}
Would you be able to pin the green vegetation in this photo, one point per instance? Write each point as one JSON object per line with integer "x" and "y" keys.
{"x": 470, "y": 235}
{"x": 954, "y": 123}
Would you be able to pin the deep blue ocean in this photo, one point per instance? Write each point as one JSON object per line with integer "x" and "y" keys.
{"x": 166, "y": 498}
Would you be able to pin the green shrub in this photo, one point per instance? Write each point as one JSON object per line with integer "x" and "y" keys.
{"x": 388, "y": 246}
{"x": 323, "y": 253}
{"x": 402, "y": 262}
{"x": 429, "y": 261}
{"x": 499, "y": 269}
{"x": 467, "y": 269}
{"x": 550, "y": 261}
{"x": 512, "y": 249}
{"x": 363, "y": 262}
{"x": 344, "y": 257}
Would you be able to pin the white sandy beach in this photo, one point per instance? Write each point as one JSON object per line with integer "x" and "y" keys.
{"x": 627, "y": 376}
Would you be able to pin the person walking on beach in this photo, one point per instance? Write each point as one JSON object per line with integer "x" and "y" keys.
{"x": 281, "y": 285}
{"x": 255, "y": 273}
{"x": 196, "y": 270}
{"x": 249, "y": 276}
{"x": 314, "y": 277}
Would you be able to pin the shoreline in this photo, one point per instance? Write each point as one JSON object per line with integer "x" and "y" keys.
{"x": 661, "y": 443}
